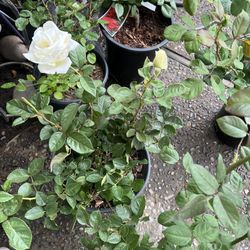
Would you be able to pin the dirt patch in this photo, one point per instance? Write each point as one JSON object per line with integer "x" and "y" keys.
{"x": 149, "y": 33}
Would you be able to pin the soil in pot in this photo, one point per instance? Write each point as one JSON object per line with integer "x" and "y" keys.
{"x": 149, "y": 33}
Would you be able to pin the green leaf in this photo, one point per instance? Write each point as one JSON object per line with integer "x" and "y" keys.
{"x": 46, "y": 132}
{"x": 199, "y": 67}
{"x": 19, "y": 234}
{"x": 138, "y": 205}
{"x": 169, "y": 155}
{"x": 119, "y": 9}
{"x": 88, "y": 85}
{"x": 36, "y": 166}
{"x": 93, "y": 178}
{"x": 56, "y": 141}
{"x": 80, "y": 143}
{"x": 78, "y": 56}
{"x": 18, "y": 108}
{"x": 175, "y": 90}
{"x": 166, "y": 218}
{"x": 179, "y": 235}
{"x": 174, "y": 32}
{"x": 123, "y": 212}
{"x": 244, "y": 152}
{"x": 5, "y": 196}
{"x": 166, "y": 10}
{"x": 95, "y": 218}
{"x": 204, "y": 180}
{"x": 117, "y": 192}
{"x": 57, "y": 159}
{"x": 25, "y": 189}
{"x": 232, "y": 126}
{"x": 8, "y": 85}
{"x": 239, "y": 103}
{"x": 19, "y": 175}
{"x": 72, "y": 187}
{"x": 191, "y": 6}
{"x": 12, "y": 206}
{"x": 68, "y": 115}
{"x": 221, "y": 171}
{"x": 91, "y": 57}
{"x": 58, "y": 95}
{"x": 194, "y": 207}
{"x": 114, "y": 238}
{"x": 40, "y": 199}
{"x": 187, "y": 162}
{"x": 226, "y": 211}
{"x": 195, "y": 87}
{"x": 121, "y": 94}
{"x": 82, "y": 216}
{"x": 205, "y": 232}
{"x": 241, "y": 24}
{"x": 34, "y": 213}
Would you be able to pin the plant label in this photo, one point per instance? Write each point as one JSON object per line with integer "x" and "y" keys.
{"x": 111, "y": 22}
{"x": 149, "y": 6}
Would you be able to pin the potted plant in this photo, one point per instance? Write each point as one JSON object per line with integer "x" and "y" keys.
{"x": 232, "y": 123}
{"x": 140, "y": 36}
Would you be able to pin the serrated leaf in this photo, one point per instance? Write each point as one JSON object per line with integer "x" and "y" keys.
{"x": 179, "y": 235}
{"x": 174, "y": 32}
{"x": 18, "y": 175}
{"x": 68, "y": 115}
{"x": 241, "y": 24}
{"x": 232, "y": 126}
{"x": 18, "y": 233}
{"x": 225, "y": 211}
{"x": 80, "y": 143}
{"x": 34, "y": 213}
{"x": 5, "y": 196}
{"x": 221, "y": 171}
{"x": 56, "y": 141}
{"x": 205, "y": 181}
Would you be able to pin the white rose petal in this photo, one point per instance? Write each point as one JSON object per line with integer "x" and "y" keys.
{"x": 59, "y": 67}
{"x": 50, "y": 49}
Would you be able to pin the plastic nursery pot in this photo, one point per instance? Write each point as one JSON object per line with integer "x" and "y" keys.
{"x": 224, "y": 138}
{"x": 125, "y": 61}
{"x": 145, "y": 175}
{"x": 60, "y": 104}
{"x": 6, "y": 70}
{"x": 8, "y": 14}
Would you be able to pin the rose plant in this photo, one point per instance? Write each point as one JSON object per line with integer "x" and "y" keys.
{"x": 72, "y": 16}
{"x": 96, "y": 145}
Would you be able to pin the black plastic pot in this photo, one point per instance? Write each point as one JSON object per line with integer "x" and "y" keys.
{"x": 125, "y": 61}
{"x": 146, "y": 172}
{"x": 224, "y": 138}
{"x": 60, "y": 104}
{"x": 8, "y": 14}
{"x": 9, "y": 93}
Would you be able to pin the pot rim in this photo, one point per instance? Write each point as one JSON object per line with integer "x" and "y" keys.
{"x": 104, "y": 81}
{"x": 138, "y": 50}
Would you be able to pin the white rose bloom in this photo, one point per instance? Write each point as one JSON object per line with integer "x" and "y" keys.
{"x": 50, "y": 49}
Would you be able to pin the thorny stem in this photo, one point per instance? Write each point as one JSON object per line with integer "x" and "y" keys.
{"x": 45, "y": 5}
{"x": 41, "y": 114}
{"x": 145, "y": 85}
{"x": 217, "y": 42}
{"x": 237, "y": 151}
{"x": 238, "y": 163}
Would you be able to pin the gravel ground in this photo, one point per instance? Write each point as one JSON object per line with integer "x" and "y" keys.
{"x": 197, "y": 137}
